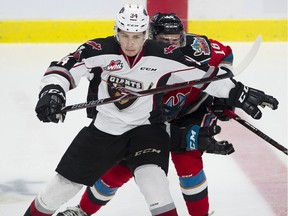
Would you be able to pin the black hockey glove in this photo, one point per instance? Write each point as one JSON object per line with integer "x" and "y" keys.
{"x": 219, "y": 106}
{"x": 202, "y": 138}
{"x": 249, "y": 99}
{"x": 51, "y": 100}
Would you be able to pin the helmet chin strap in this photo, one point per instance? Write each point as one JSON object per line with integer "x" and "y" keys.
{"x": 116, "y": 33}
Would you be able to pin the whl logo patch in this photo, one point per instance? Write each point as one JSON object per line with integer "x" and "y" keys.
{"x": 114, "y": 65}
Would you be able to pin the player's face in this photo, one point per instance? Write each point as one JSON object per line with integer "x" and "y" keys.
{"x": 173, "y": 39}
{"x": 131, "y": 42}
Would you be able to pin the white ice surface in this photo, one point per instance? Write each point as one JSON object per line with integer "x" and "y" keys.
{"x": 30, "y": 150}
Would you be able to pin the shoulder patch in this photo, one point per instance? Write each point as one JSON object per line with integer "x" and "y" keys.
{"x": 94, "y": 45}
{"x": 200, "y": 46}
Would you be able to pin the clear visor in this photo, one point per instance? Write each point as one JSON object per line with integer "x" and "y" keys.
{"x": 174, "y": 39}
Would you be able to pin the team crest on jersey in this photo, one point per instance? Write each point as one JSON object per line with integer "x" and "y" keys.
{"x": 114, "y": 65}
{"x": 175, "y": 100}
{"x": 117, "y": 86}
{"x": 94, "y": 45}
{"x": 169, "y": 49}
{"x": 200, "y": 46}
{"x": 173, "y": 104}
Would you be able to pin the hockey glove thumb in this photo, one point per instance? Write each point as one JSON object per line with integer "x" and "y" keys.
{"x": 249, "y": 99}
{"x": 51, "y": 100}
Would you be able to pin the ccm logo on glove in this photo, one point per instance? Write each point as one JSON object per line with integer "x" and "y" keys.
{"x": 243, "y": 94}
{"x": 192, "y": 138}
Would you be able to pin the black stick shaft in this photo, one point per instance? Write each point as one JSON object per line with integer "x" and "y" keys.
{"x": 256, "y": 131}
{"x": 145, "y": 92}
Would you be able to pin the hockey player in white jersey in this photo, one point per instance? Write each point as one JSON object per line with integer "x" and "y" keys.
{"x": 130, "y": 131}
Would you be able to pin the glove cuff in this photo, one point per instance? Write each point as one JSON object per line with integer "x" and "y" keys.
{"x": 53, "y": 89}
{"x": 235, "y": 94}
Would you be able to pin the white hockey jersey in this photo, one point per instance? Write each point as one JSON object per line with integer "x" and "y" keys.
{"x": 156, "y": 65}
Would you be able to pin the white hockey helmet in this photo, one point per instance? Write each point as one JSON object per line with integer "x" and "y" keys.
{"x": 132, "y": 18}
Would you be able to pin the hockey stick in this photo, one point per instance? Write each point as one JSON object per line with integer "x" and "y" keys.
{"x": 132, "y": 95}
{"x": 249, "y": 57}
{"x": 241, "y": 67}
{"x": 246, "y": 124}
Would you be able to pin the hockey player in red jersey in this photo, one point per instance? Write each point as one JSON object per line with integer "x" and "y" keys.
{"x": 186, "y": 110}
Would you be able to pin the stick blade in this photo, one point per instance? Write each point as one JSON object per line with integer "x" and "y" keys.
{"x": 249, "y": 57}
